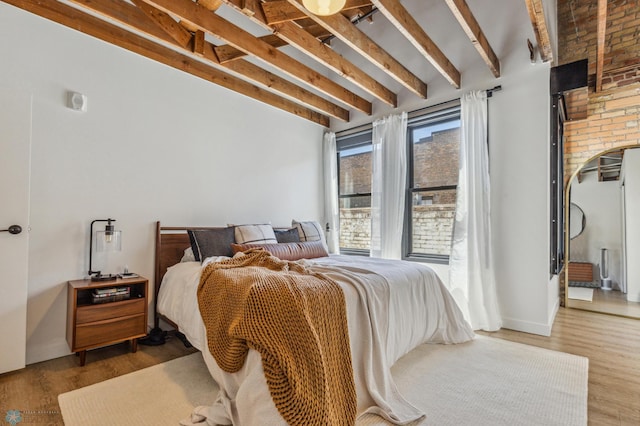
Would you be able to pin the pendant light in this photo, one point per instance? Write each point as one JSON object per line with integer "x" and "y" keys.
{"x": 324, "y": 7}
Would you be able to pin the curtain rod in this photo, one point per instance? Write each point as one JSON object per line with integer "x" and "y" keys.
{"x": 367, "y": 126}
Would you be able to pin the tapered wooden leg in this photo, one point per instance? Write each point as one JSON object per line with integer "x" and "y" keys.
{"x": 83, "y": 358}
{"x": 134, "y": 345}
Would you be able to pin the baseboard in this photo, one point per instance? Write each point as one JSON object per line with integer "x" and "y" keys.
{"x": 527, "y": 326}
{"x": 46, "y": 352}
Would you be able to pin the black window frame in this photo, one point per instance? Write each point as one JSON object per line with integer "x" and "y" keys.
{"x": 443, "y": 114}
{"x": 354, "y": 140}
{"x": 363, "y": 136}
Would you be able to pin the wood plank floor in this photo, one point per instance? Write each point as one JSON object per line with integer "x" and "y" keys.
{"x": 611, "y": 343}
{"x": 609, "y": 302}
{"x": 34, "y": 390}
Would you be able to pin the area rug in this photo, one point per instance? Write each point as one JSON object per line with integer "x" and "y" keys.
{"x": 580, "y": 293}
{"x": 486, "y": 381}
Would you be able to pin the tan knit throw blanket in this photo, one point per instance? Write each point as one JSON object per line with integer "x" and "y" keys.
{"x": 296, "y": 320}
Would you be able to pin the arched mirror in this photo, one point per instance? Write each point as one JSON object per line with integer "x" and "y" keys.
{"x": 601, "y": 274}
{"x": 577, "y": 221}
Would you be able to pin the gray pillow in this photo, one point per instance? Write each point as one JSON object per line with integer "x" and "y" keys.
{"x": 287, "y": 235}
{"x": 211, "y": 242}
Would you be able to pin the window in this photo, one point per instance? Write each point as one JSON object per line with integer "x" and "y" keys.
{"x": 433, "y": 144}
{"x": 354, "y": 192}
{"x": 434, "y": 157}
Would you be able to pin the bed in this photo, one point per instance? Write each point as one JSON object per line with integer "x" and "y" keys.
{"x": 391, "y": 307}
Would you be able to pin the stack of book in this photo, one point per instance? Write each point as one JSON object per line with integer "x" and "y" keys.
{"x": 110, "y": 294}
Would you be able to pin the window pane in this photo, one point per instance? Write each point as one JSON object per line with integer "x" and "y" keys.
{"x": 433, "y": 214}
{"x": 355, "y": 170}
{"x": 436, "y": 150}
{"x": 355, "y": 222}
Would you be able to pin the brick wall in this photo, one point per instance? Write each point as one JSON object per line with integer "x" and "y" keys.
{"x": 612, "y": 114}
{"x": 613, "y": 117}
{"x": 355, "y": 170}
{"x": 432, "y": 228}
{"x": 577, "y": 33}
{"x": 432, "y": 224}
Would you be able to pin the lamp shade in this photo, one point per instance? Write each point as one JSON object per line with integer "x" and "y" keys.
{"x": 108, "y": 241}
{"x": 324, "y": 7}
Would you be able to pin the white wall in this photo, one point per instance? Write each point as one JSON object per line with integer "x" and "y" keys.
{"x": 155, "y": 144}
{"x": 632, "y": 207}
{"x": 601, "y": 204}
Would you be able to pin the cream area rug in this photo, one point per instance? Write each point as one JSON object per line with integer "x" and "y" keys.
{"x": 581, "y": 293}
{"x": 486, "y": 381}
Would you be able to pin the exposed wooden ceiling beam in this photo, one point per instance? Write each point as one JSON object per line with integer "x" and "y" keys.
{"x": 218, "y": 27}
{"x": 241, "y": 67}
{"x": 343, "y": 29}
{"x": 227, "y": 52}
{"x": 85, "y": 23}
{"x": 536, "y": 14}
{"x": 465, "y": 17}
{"x": 602, "y": 31}
{"x": 280, "y": 11}
{"x": 408, "y": 27}
{"x": 206, "y": 50}
{"x": 305, "y": 42}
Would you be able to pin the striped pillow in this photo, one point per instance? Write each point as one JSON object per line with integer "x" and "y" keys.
{"x": 310, "y": 231}
{"x": 255, "y": 234}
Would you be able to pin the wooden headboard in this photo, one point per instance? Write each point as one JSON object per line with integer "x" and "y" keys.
{"x": 171, "y": 241}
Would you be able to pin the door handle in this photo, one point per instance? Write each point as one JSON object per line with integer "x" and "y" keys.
{"x": 13, "y": 229}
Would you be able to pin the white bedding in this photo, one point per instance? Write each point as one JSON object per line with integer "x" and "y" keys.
{"x": 392, "y": 307}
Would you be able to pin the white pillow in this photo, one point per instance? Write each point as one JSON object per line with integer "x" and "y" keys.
{"x": 188, "y": 255}
{"x": 255, "y": 234}
{"x": 310, "y": 231}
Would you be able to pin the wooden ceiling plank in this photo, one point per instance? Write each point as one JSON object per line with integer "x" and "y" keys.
{"x": 600, "y": 48}
{"x": 93, "y": 26}
{"x": 199, "y": 43}
{"x": 395, "y": 12}
{"x": 237, "y": 37}
{"x": 302, "y": 40}
{"x": 346, "y": 31}
{"x": 468, "y": 22}
{"x": 539, "y": 23}
{"x": 161, "y": 19}
{"x": 128, "y": 15}
{"x": 280, "y": 11}
{"x": 228, "y": 53}
{"x": 245, "y": 70}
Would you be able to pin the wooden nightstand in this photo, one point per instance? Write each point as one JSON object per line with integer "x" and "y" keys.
{"x": 91, "y": 325}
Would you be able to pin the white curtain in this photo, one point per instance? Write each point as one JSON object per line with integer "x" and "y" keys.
{"x": 471, "y": 269}
{"x": 331, "y": 212}
{"x": 388, "y": 182}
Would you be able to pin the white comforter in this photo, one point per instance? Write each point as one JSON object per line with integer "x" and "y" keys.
{"x": 392, "y": 307}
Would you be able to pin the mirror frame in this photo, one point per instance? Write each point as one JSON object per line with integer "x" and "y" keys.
{"x": 567, "y": 202}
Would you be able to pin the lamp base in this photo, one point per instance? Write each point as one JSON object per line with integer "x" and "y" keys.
{"x": 108, "y": 277}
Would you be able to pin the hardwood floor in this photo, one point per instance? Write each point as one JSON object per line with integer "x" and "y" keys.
{"x": 610, "y": 302}
{"x": 611, "y": 343}
{"x": 34, "y": 390}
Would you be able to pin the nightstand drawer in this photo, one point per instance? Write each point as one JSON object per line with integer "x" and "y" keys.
{"x": 108, "y": 311}
{"x": 106, "y": 332}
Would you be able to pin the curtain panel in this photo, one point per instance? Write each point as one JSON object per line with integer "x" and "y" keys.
{"x": 471, "y": 269}
{"x": 388, "y": 182}
{"x": 331, "y": 210}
